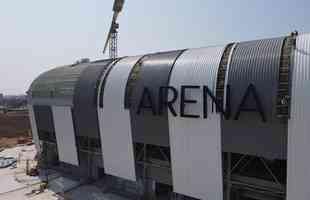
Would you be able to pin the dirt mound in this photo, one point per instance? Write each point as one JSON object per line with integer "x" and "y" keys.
{"x": 14, "y": 125}
{"x": 14, "y": 128}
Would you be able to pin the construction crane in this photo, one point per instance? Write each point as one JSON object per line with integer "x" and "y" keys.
{"x": 113, "y": 31}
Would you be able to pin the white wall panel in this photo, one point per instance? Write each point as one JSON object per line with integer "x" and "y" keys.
{"x": 65, "y": 135}
{"x": 34, "y": 129}
{"x": 114, "y": 122}
{"x": 196, "y": 142}
{"x": 298, "y": 161}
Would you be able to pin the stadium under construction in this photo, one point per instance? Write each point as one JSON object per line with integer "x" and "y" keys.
{"x": 223, "y": 122}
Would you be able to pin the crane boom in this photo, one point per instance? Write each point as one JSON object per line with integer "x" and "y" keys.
{"x": 112, "y": 34}
{"x": 118, "y": 5}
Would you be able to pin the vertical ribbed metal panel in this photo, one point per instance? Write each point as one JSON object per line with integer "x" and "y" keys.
{"x": 154, "y": 73}
{"x": 257, "y": 63}
{"x": 195, "y": 143}
{"x": 34, "y": 129}
{"x": 298, "y": 161}
{"x": 65, "y": 136}
{"x": 85, "y": 100}
{"x": 114, "y": 123}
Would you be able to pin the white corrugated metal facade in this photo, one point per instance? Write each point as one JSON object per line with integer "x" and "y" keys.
{"x": 298, "y": 162}
{"x": 114, "y": 123}
{"x": 65, "y": 136}
{"x": 195, "y": 143}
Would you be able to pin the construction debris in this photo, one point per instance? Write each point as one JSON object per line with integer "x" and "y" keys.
{"x": 6, "y": 162}
{"x": 22, "y": 184}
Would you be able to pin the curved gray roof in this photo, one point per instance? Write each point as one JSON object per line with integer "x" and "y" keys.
{"x": 257, "y": 63}
{"x": 56, "y": 86}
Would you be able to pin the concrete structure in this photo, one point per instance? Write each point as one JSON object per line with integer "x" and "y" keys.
{"x": 226, "y": 122}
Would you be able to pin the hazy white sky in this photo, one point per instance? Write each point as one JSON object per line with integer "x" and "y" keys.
{"x": 37, "y": 35}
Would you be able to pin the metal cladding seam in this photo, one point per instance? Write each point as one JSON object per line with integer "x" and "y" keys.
{"x": 154, "y": 73}
{"x": 114, "y": 123}
{"x": 195, "y": 174}
{"x": 102, "y": 81}
{"x": 257, "y": 63}
{"x": 226, "y": 74}
{"x": 298, "y": 160}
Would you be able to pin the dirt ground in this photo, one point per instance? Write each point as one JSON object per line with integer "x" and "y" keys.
{"x": 14, "y": 129}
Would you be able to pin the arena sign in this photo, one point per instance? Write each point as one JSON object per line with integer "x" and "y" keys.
{"x": 147, "y": 102}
